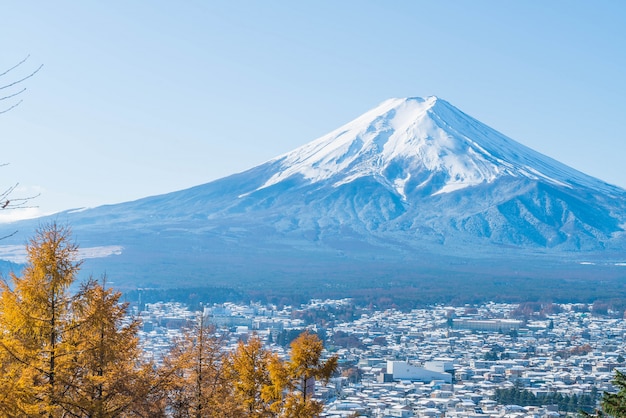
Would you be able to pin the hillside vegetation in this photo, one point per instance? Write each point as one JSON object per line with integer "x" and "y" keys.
{"x": 77, "y": 354}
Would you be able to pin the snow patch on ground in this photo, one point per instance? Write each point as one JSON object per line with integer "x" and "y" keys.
{"x": 100, "y": 252}
{"x": 13, "y": 253}
{"x": 17, "y": 253}
{"x": 400, "y": 185}
{"x": 78, "y": 210}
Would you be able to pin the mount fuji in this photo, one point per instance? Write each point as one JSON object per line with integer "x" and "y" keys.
{"x": 409, "y": 193}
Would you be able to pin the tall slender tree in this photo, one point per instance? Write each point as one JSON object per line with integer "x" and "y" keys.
{"x": 64, "y": 354}
{"x": 198, "y": 383}
{"x": 109, "y": 378}
{"x": 35, "y": 322}
{"x": 250, "y": 374}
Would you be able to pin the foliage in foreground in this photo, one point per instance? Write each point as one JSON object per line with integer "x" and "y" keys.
{"x": 77, "y": 355}
{"x": 613, "y": 404}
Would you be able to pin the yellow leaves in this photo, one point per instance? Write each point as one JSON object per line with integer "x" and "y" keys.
{"x": 65, "y": 354}
{"x": 306, "y": 354}
{"x": 250, "y": 374}
{"x": 197, "y": 370}
{"x": 107, "y": 378}
{"x": 298, "y": 375}
{"x": 52, "y": 258}
{"x": 34, "y": 321}
{"x": 250, "y": 382}
{"x": 269, "y": 386}
{"x": 306, "y": 351}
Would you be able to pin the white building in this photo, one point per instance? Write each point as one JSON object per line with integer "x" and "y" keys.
{"x": 401, "y": 370}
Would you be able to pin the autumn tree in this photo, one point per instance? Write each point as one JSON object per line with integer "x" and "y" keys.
{"x": 35, "y": 322}
{"x": 250, "y": 376}
{"x": 78, "y": 355}
{"x": 293, "y": 381}
{"x": 108, "y": 378}
{"x": 198, "y": 384}
{"x": 64, "y": 354}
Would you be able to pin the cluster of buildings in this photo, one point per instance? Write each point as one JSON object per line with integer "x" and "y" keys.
{"x": 434, "y": 362}
{"x": 450, "y": 361}
{"x": 164, "y": 322}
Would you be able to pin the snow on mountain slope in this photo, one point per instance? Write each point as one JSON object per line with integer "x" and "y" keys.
{"x": 406, "y": 185}
{"x": 422, "y": 165}
{"x": 402, "y": 137}
{"x": 407, "y": 168}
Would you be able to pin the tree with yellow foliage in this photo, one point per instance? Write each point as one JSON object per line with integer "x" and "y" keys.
{"x": 198, "y": 384}
{"x": 35, "y": 321}
{"x": 78, "y": 355}
{"x": 250, "y": 375}
{"x": 108, "y": 379}
{"x": 63, "y": 354}
{"x": 293, "y": 381}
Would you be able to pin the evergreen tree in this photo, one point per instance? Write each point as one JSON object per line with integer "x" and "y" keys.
{"x": 614, "y": 404}
{"x": 572, "y": 405}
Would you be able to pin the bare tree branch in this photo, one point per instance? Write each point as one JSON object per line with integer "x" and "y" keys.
{"x": 13, "y": 95}
{"x": 15, "y": 202}
{"x": 7, "y": 201}
{"x": 11, "y": 107}
{"x": 16, "y": 65}
{"x": 21, "y": 79}
{"x": 14, "y": 83}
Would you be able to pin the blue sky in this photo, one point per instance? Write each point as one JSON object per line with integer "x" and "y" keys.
{"x": 142, "y": 98}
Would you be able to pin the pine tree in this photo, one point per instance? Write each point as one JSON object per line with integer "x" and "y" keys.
{"x": 35, "y": 322}
{"x": 614, "y": 404}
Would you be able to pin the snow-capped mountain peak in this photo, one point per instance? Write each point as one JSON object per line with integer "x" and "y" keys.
{"x": 426, "y": 138}
{"x": 412, "y": 187}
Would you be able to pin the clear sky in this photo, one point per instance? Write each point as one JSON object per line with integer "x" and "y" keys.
{"x": 139, "y": 98}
